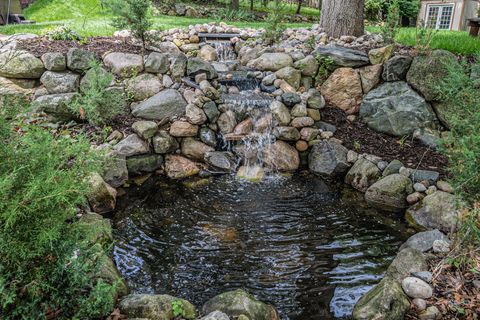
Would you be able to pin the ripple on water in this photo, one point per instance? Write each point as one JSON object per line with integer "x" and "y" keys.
{"x": 293, "y": 242}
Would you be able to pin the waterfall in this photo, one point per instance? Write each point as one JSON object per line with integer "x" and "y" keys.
{"x": 224, "y": 49}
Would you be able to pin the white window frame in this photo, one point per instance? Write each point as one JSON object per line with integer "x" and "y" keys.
{"x": 439, "y": 16}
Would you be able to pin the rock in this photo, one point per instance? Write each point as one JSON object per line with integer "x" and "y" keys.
{"x": 290, "y": 99}
{"x": 419, "y": 304}
{"x": 190, "y": 48}
{"x": 208, "y": 136}
{"x": 60, "y": 82}
{"x": 425, "y": 175}
{"x": 196, "y": 66}
{"x": 426, "y": 276}
{"x": 309, "y": 134}
{"x": 79, "y": 60}
{"x": 380, "y": 55}
{"x": 419, "y": 187}
{"x": 414, "y": 198}
{"x": 208, "y": 53}
{"x": 131, "y": 146}
{"x": 316, "y": 100}
{"x": 157, "y": 63}
{"x": 382, "y": 165}
{"x": 20, "y": 64}
{"x": 54, "y": 61}
{"x": 431, "y": 190}
{"x": 314, "y": 114}
{"x": 180, "y": 9}
{"x": 370, "y": 77}
{"x": 244, "y": 128}
{"x": 251, "y": 173}
{"x": 396, "y": 68}
{"x": 287, "y": 133}
{"x": 281, "y": 156}
{"x": 343, "y": 57}
{"x": 362, "y": 175}
{"x": 144, "y": 86}
{"x": 195, "y": 149}
{"x": 394, "y": 108}
{"x": 216, "y": 315}
{"x": 444, "y": 186}
{"x": 167, "y": 81}
{"x": 154, "y": 307}
{"x": 227, "y": 122}
{"x": 145, "y": 129}
{"x": 426, "y": 70}
{"x": 124, "y": 64}
{"x": 308, "y": 66}
{"x": 299, "y": 110}
{"x": 416, "y": 288}
{"x": 115, "y": 171}
{"x": 166, "y": 104}
{"x": 102, "y": 197}
{"x": 211, "y": 110}
{"x": 435, "y": 211}
{"x": 328, "y": 158}
{"x": 301, "y": 122}
{"x": 195, "y": 115}
{"x": 406, "y": 262}
{"x": 178, "y": 167}
{"x": 343, "y": 89}
{"x": 280, "y": 113}
{"x": 291, "y": 75}
{"x": 90, "y": 78}
{"x": 144, "y": 163}
{"x": 352, "y": 156}
{"x": 239, "y": 302}
{"x": 301, "y": 145}
{"x": 167, "y": 47}
{"x": 324, "y": 126}
{"x": 178, "y": 66}
{"x": 183, "y": 129}
{"x": 389, "y": 193}
{"x": 222, "y": 160}
{"x": 441, "y": 246}
{"x": 392, "y": 168}
{"x": 269, "y": 80}
{"x": 385, "y": 301}
{"x": 164, "y": 143}
{"x": 271, "y": 62}
{"x": 423, "y": 241}
{"x": 55, "y": 105}
{"x": 432, "y": 313}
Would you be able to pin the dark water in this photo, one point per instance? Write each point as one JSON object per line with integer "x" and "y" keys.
{"x": 307, "y": 248}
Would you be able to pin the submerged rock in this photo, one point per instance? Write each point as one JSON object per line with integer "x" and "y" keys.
{"x": 390, "y": 193}
{"x": 155, "y": 307}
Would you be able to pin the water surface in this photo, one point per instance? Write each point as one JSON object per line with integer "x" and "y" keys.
{"x": 309, "y": 249}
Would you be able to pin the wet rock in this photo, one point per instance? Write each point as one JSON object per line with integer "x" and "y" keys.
{"x": 154, "y": 307}
{"x": 315, "y": 100}
{"x": 416, "y": 288}
{"x": 208, "y": 136}
{"x": 131, "y": 146}
{"x": 20, "y": 64}
{"x": 389, "y": 193}
{"x": 441, "y": 246}
{"x": 144, "y": 86}
{"x": 291, "y": 75}
{"x": 60, "y": 82}
{"x": 227, "y": 122}
{"x": 370, "y": 77}
{"x": 281, "y": 156}
{"x": 178, "y": 167}
{"x": 394, "y": 108}
{"x": 102, "y": 197}
{"x": 328, "y": 158}
{"x": 216, "y": 315}
{"x": 237, "y": 303}
{"x": 308, "y": 66}
{"x": 271, "y": 62}
{"x": 197, "y": 66}
{"x": 380, "y": 55}
{"x": 183, "y": 129}
{"x": 396, "y": 68}
{"x": 251, "y": 173}
{"x": 343, "y": 88}
{"x": 166, "y": 104}
{"x": 222, "y": 160}
{"x": 115, "y": 171}
{"x": 195, "y": 149}
{"x": 244, "y": 128}
{"x": 343, "y": 57}
{"x": 164, "y": 143}
{"x": 55, "y": 105}
{"x": 424, "y": 175}
{"x": 195, "y": 115}
{"x": 362, "y": 175}
{"x": 124, "y": 64}
{"x": 54, "y": 61}
{"x": 157, "y": 63}
{"x": 287, "y": 133}
{"x": 290, "y": 99}
{"x": 145, "y": 129}
{"x": 79, "y": 60}
{"x": 208, "y": 53}
{"x": 435, "y": 211}
{"x": 144, "y": 163}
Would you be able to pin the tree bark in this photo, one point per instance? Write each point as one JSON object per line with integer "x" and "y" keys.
{"x": 299, "y": 6}
{"x": 235, "y": 5}
{"x": 342, "y": 17}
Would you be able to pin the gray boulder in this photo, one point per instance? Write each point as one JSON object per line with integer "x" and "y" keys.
{"x": 222, "y": 160}
{"x": 20, "y": 64}
{"x": 343, "y": 57}
{"x": 164, "y": 143}
{"x": 79, "y": 60}
{"x": 131, "y": 146}
{"x": 166, "y": 104}
{"x": 435, "y": 211}
{"x": 423, "y": 241}
{"x": 60, "y": 82}
{"x": 362, "y": 175}
{"x": 144, "y": 163}
{"x": 154, "y": 307}
{"x": 396, "y": 68}
{"x": 406, "y": 262}
{"x": 394, "y": 108}
{"x": 124, "y": 64}
{"x": 197, "y": 66}
{"x": 389, "y": 193}
{"x": 157, "y": 63}
{"x": 115, "y": 171}
{"x": 328, "y": 158}
{"x": 56, "y": 105}
{"x": 392, "y": 168}
{"x": 54, "y": 61}
{"x": 144, "y": 86}
{"x": 425, "y": 175}
{"x": 271, "y": 61}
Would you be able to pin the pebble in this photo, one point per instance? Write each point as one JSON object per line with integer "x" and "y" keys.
{"x": 444, "y": 186}
{"x": 419, "y": 304}
{"x": 405, "y": 171}
{"x": 352, "y": 156}
{"x": 416, "y": 288}
{"x": 441, "y": 246}
{"x": 419, "y": 187}
{"x": 414, "y": 198}
{"x": 301, "y": 145}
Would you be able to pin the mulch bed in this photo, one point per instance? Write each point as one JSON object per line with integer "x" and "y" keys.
{"x": 359, "y": 137}
{"x": 98, "y": 45}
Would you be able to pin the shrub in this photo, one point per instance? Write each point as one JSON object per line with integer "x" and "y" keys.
{"x": 391, "y": 27}
{"x": 46, "y": 267}
{"x": 98, "y": 103}
{"x": 424, "y": 37}
{"x": 63, "y": 33}
{"x": 275, "y": 25}
{"x": 234, "y": 15}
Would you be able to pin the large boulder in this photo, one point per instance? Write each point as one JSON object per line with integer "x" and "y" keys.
{"x": 343, "y": 57}
{"x": 423, "y": 241}
{"x": 166, "y": 104}
{"x": 395, "y": 108}
{"x": 144, "y": 163}
{"x": 271, "y": 61}
{"x": 396, "y": 68}
{"x": 131, "y": 146}
{"x": 144, "y": 86}
{"x": 60, "y": 82}
{"x": 54, "y": 61}
{"x": 281, "y": 156}
{"x": 343, "y": 89}
{"x": 195, "y": 149}
{"x": 390, "y": 193}
{"x": 157, "y": 63}
{"x": 102, "y": 197}
{"x": 363, "y": 174}
{"x": 178, "y": 167}
{"x": 427, "y": 70}
{"x": 328, "y": 158}
{"x": 435, "y": 211}
{"x": 79, "y": 60}
{"x": 239, "y": 302}
{"x": 55, "y": 105}
{"x": 124, "y": 64}
{"x": 20, "y": 64}
{"x": 155, "y": 307}
{"x": 291, "y": 75}
{"x": 197, "y": 66}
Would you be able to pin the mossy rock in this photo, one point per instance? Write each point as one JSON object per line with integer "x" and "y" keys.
{"x": 155, "y": 307}
{"x": 96, "y": 229}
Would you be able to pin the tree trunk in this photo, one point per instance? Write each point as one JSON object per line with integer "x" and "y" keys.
{"x": 299, "y": 7}
{"x": 251, "y": 5}
{"x": 235, "y": 5}
{"x": 342, "y": 17}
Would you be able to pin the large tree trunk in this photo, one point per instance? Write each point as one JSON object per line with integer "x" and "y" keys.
{"x": 235, "y": 4}
{"x": 342, "y": 17}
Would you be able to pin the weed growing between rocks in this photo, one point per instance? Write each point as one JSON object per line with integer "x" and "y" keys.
{"x": 275, "y": 25}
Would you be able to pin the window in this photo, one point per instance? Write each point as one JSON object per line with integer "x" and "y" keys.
{"x": 439, "y": 16}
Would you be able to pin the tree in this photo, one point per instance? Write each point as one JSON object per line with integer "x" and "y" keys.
{"x": 299, "y": 6}
{"x": 342, "y": 17}
{"x": 235, "y": 5}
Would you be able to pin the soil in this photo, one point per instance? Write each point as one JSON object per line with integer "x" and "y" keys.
{"x": 359, "y": 137}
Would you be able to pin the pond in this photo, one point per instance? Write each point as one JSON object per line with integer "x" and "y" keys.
{"x": 309, "y": 248}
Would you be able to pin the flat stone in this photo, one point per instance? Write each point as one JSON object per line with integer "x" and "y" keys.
{"x": 166, "y": 104}
{"x": 343, "y": 57}
{"x": 124, "y": 64}
{"x": 423, "y": 275}
{"x": 60, "y": 82}
{"x": 183, "y": 129}
{"x": 425, "y": 175}
{"x": 131, "y": 146}
{"x": 154, "y": 307}
{"x": 287, "y": 133}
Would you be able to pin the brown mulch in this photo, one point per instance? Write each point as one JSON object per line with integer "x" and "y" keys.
{"x": 98, "y": 45}
{"x": 359, "y": 137}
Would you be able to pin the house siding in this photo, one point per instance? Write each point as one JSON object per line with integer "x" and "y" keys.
{"x": 463, "y": 10}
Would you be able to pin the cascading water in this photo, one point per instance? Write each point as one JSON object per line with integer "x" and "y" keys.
{"x": 224, "y": 49}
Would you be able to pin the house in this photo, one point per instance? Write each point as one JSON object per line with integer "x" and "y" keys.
{"x": 448, "y": 14}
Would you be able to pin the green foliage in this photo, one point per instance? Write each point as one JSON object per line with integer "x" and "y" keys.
{"x": 97, "y": 104}
{"x": 63, "y": 33}
{"x": 375, "y": 9}
{"x": 424, "y": 37}
{"x": 391, "y": 25}
{"x": 227, "y": 14}
{"x": 177, "y": 307}
{"x": 275, "y": 25}
{"x": 46, "y": 265}
{"x": 325, "y": 67}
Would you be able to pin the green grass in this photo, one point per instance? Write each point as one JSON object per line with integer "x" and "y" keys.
{"x": 287, "y": 8}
